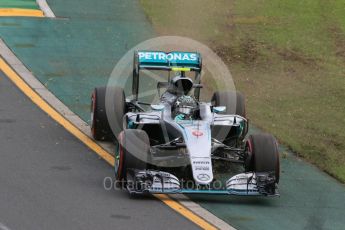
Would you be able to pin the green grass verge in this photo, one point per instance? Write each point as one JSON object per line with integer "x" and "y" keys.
{"x": 287, "y": 56}
{"x": 23, "y": 4}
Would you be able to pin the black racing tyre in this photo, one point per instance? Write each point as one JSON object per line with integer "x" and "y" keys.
{"x": 263, "y": 155}
{"x": 116, "y": 108}
{"x": 100, "y": 127}
{"x": 134, "y": 148}
{"x": 230, "y": 99}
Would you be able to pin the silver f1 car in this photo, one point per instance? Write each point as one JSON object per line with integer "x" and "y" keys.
{"x": 181, "y": 144}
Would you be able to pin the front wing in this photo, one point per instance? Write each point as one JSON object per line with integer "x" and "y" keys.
{"x": 244, "y": 184}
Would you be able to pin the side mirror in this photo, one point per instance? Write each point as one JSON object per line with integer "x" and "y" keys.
{"x": 218, "y": 109}
{"x": 158, "y": 107}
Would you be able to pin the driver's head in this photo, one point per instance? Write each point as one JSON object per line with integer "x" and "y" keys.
{"x": 186, "y": 106}
{"x": 180, "y": 85}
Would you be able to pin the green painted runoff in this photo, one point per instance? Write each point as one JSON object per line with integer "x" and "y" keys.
{"x": 23, "y": 4}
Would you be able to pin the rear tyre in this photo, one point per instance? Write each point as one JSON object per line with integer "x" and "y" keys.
{"x": 134, "y": 148}
{"x": 100, "y": 127}
{"x": 263, "y": 155}
{"x": 235, "y": 105}
{"x": 233, "y": 100}
{"x": 116, "y": 108}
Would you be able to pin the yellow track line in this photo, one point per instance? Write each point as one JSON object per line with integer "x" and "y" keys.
{"x": 41, "y": 103}
{"x": 184, "y": 212}
{"x": 16, "y": 12}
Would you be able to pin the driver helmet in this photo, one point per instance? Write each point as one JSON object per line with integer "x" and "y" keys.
{"x": 180, "y": 85}
{"x": 185, "y": 107}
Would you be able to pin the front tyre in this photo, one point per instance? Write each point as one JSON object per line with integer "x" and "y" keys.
{"x": 263, "y": 155}
{"x": 134, "y": 149}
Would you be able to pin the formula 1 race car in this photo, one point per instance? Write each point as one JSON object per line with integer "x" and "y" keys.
{"x": 181, "y": 144}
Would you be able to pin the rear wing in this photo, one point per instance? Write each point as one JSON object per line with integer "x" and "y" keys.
{"x": 172, "y": 61}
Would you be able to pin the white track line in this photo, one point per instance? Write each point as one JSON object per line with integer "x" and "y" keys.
{"x": 45, "y": 8}
{"x": 35, "y": 84}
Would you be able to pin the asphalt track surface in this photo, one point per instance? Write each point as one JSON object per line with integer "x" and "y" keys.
{"x": 50, "y": 180}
